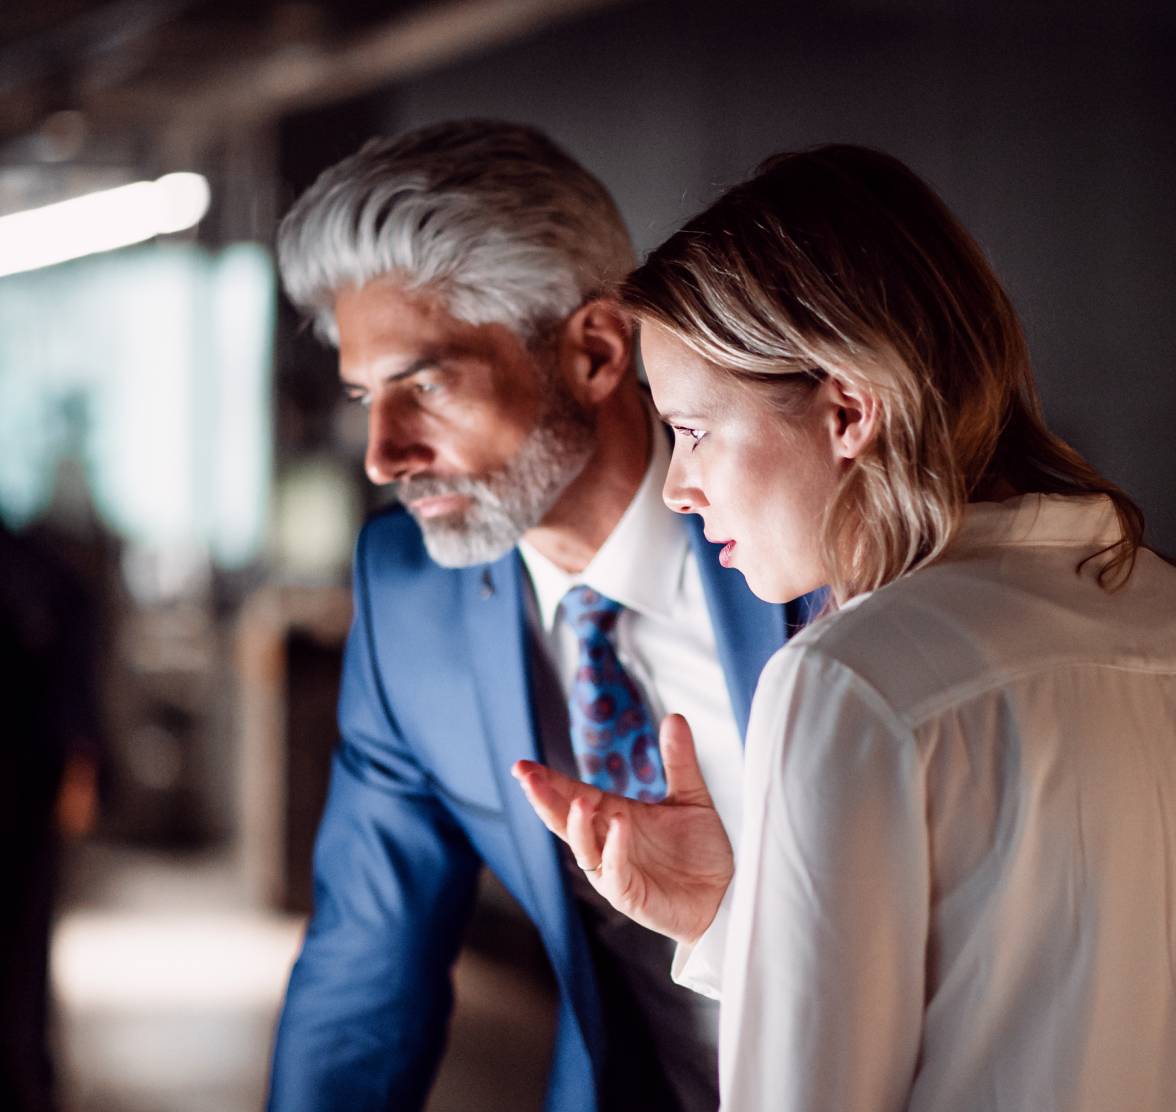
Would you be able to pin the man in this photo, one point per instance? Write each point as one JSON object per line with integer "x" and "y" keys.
{"x": 463, "y": 271}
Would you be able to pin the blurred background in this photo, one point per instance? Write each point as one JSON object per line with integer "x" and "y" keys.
{"x": 180, "y": 486}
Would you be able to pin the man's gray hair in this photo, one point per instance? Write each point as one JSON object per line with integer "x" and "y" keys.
{"x": 492, "y": 216}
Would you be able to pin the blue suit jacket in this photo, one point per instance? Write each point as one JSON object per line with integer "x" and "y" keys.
{"x": 435, "y": 707}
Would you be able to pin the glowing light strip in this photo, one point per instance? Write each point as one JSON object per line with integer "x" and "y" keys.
{"x": 101, "y": 221}
{"x": 126, "y": 961}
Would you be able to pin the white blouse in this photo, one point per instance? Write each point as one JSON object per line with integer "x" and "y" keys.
{"x": 956, "y": 885}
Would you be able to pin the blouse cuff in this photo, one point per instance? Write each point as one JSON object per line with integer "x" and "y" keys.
{"x": 699, "y": 965}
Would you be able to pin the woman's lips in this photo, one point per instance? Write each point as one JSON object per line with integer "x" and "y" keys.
{"x": 727, "y": 554}
{"x": 439, "y": 504}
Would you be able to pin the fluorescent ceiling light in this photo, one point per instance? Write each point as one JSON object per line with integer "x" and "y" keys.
{"x": 101, "y": 221}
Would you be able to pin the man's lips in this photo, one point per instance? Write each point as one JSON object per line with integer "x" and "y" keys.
{"x": 438, "y": 504}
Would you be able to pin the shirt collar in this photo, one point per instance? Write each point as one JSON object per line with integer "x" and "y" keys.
{"x": 1036, "y": 520}
{"x": 1030, "y": 520}
{"x": 640, "y": 563}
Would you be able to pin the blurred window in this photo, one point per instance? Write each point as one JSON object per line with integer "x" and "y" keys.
{"x": 150, "y": 367}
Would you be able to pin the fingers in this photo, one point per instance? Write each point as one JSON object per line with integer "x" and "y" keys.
{"x": 617, "y": 853}
{"x": 548, "y": 802}
{"x": 582, "y": 837}
{"x": 565, "y": 786}
{"x": 624, "y": 883}
{"x": 684, "y": 782}
{"x": 551, "y": 793}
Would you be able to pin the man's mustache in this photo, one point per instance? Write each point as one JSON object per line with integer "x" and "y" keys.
{"x": 430, "y": 486}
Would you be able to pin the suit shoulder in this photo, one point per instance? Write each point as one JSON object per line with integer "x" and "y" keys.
{"x": 392, "y": 519}
{"x": 390, "y": 544}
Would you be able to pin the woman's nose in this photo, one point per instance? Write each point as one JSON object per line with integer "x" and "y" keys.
{"x": 678, "y": 493}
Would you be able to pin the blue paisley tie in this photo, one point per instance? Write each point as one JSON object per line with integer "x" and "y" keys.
{"x": 613, "y": 739}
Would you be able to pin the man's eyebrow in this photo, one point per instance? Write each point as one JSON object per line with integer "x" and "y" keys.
{"x": 421, "y": 363}
{"x": 413, "y": 368}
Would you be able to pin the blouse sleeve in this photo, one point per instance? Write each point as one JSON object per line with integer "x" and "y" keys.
{"x": 698, "y": 965}
{"x": 823, "y": 972}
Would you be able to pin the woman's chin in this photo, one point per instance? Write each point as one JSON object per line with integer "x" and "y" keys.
{"x": 762, "y": 587}
{"x": 769, "y": 587}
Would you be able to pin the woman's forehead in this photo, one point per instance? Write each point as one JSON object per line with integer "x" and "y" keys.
{"x": 667, "y": 357}
{"x": 689, "y": 390}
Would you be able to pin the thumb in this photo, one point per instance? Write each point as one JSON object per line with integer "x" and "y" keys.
{"x": 684, "y": 782}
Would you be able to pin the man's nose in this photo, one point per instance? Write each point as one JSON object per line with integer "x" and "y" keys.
{"x": 393, "y": 452}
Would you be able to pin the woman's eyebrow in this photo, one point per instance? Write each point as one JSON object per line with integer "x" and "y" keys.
{"x": 676, "y": 417}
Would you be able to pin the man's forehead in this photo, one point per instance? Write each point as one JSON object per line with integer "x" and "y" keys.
{"x": 385, "y": 330}
{"x": 385, "y": 306}
{"x": 379, "y": 323}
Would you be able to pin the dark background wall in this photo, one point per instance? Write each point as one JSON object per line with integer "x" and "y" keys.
{"x": 1050, "y": 128}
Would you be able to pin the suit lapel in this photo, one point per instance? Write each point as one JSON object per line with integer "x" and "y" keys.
{"x": 747, "y": 630}
{"x": 495, "y": 618}
{"x": 496, "y": 626}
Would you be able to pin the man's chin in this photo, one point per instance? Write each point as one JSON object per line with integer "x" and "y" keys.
{"x": 453, "y": 543}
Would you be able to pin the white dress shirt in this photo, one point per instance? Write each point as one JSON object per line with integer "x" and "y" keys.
{"x": 956, "y": 890}
{"x": 664, "y": 638}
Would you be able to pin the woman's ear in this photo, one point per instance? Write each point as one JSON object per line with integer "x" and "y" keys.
{"x": 596, "y": 350}
{"x": 855, "y": 417}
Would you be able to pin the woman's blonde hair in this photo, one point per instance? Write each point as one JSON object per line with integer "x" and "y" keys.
{"x": 841, "y": 261}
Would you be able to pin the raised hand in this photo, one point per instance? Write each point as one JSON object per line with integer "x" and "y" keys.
{"x": 665, "y": 865}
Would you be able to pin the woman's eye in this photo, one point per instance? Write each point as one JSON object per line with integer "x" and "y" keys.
{"x": 363, "y": 400}
{"x": 695, "y": 436}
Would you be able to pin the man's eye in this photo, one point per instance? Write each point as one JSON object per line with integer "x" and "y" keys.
{"x": 358, "y": 397}
{"x": 424, "y": 386}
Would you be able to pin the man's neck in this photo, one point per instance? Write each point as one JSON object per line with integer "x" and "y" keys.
{"x": 588, "y": 511}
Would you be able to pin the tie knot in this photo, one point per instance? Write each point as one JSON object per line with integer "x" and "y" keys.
{"x": 590, "y": 612}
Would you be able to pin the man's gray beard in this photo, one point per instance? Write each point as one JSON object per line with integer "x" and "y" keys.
{"x": 515, "y": 498}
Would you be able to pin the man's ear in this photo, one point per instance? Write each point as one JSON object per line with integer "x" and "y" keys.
{"x": 596, "y": 350}
{"x": 855, "y": 417}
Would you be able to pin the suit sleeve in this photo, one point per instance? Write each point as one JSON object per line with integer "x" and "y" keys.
{"x": 365, "y": 1015}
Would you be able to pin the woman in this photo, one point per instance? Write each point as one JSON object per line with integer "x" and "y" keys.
{"x": 956, "y": 887}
